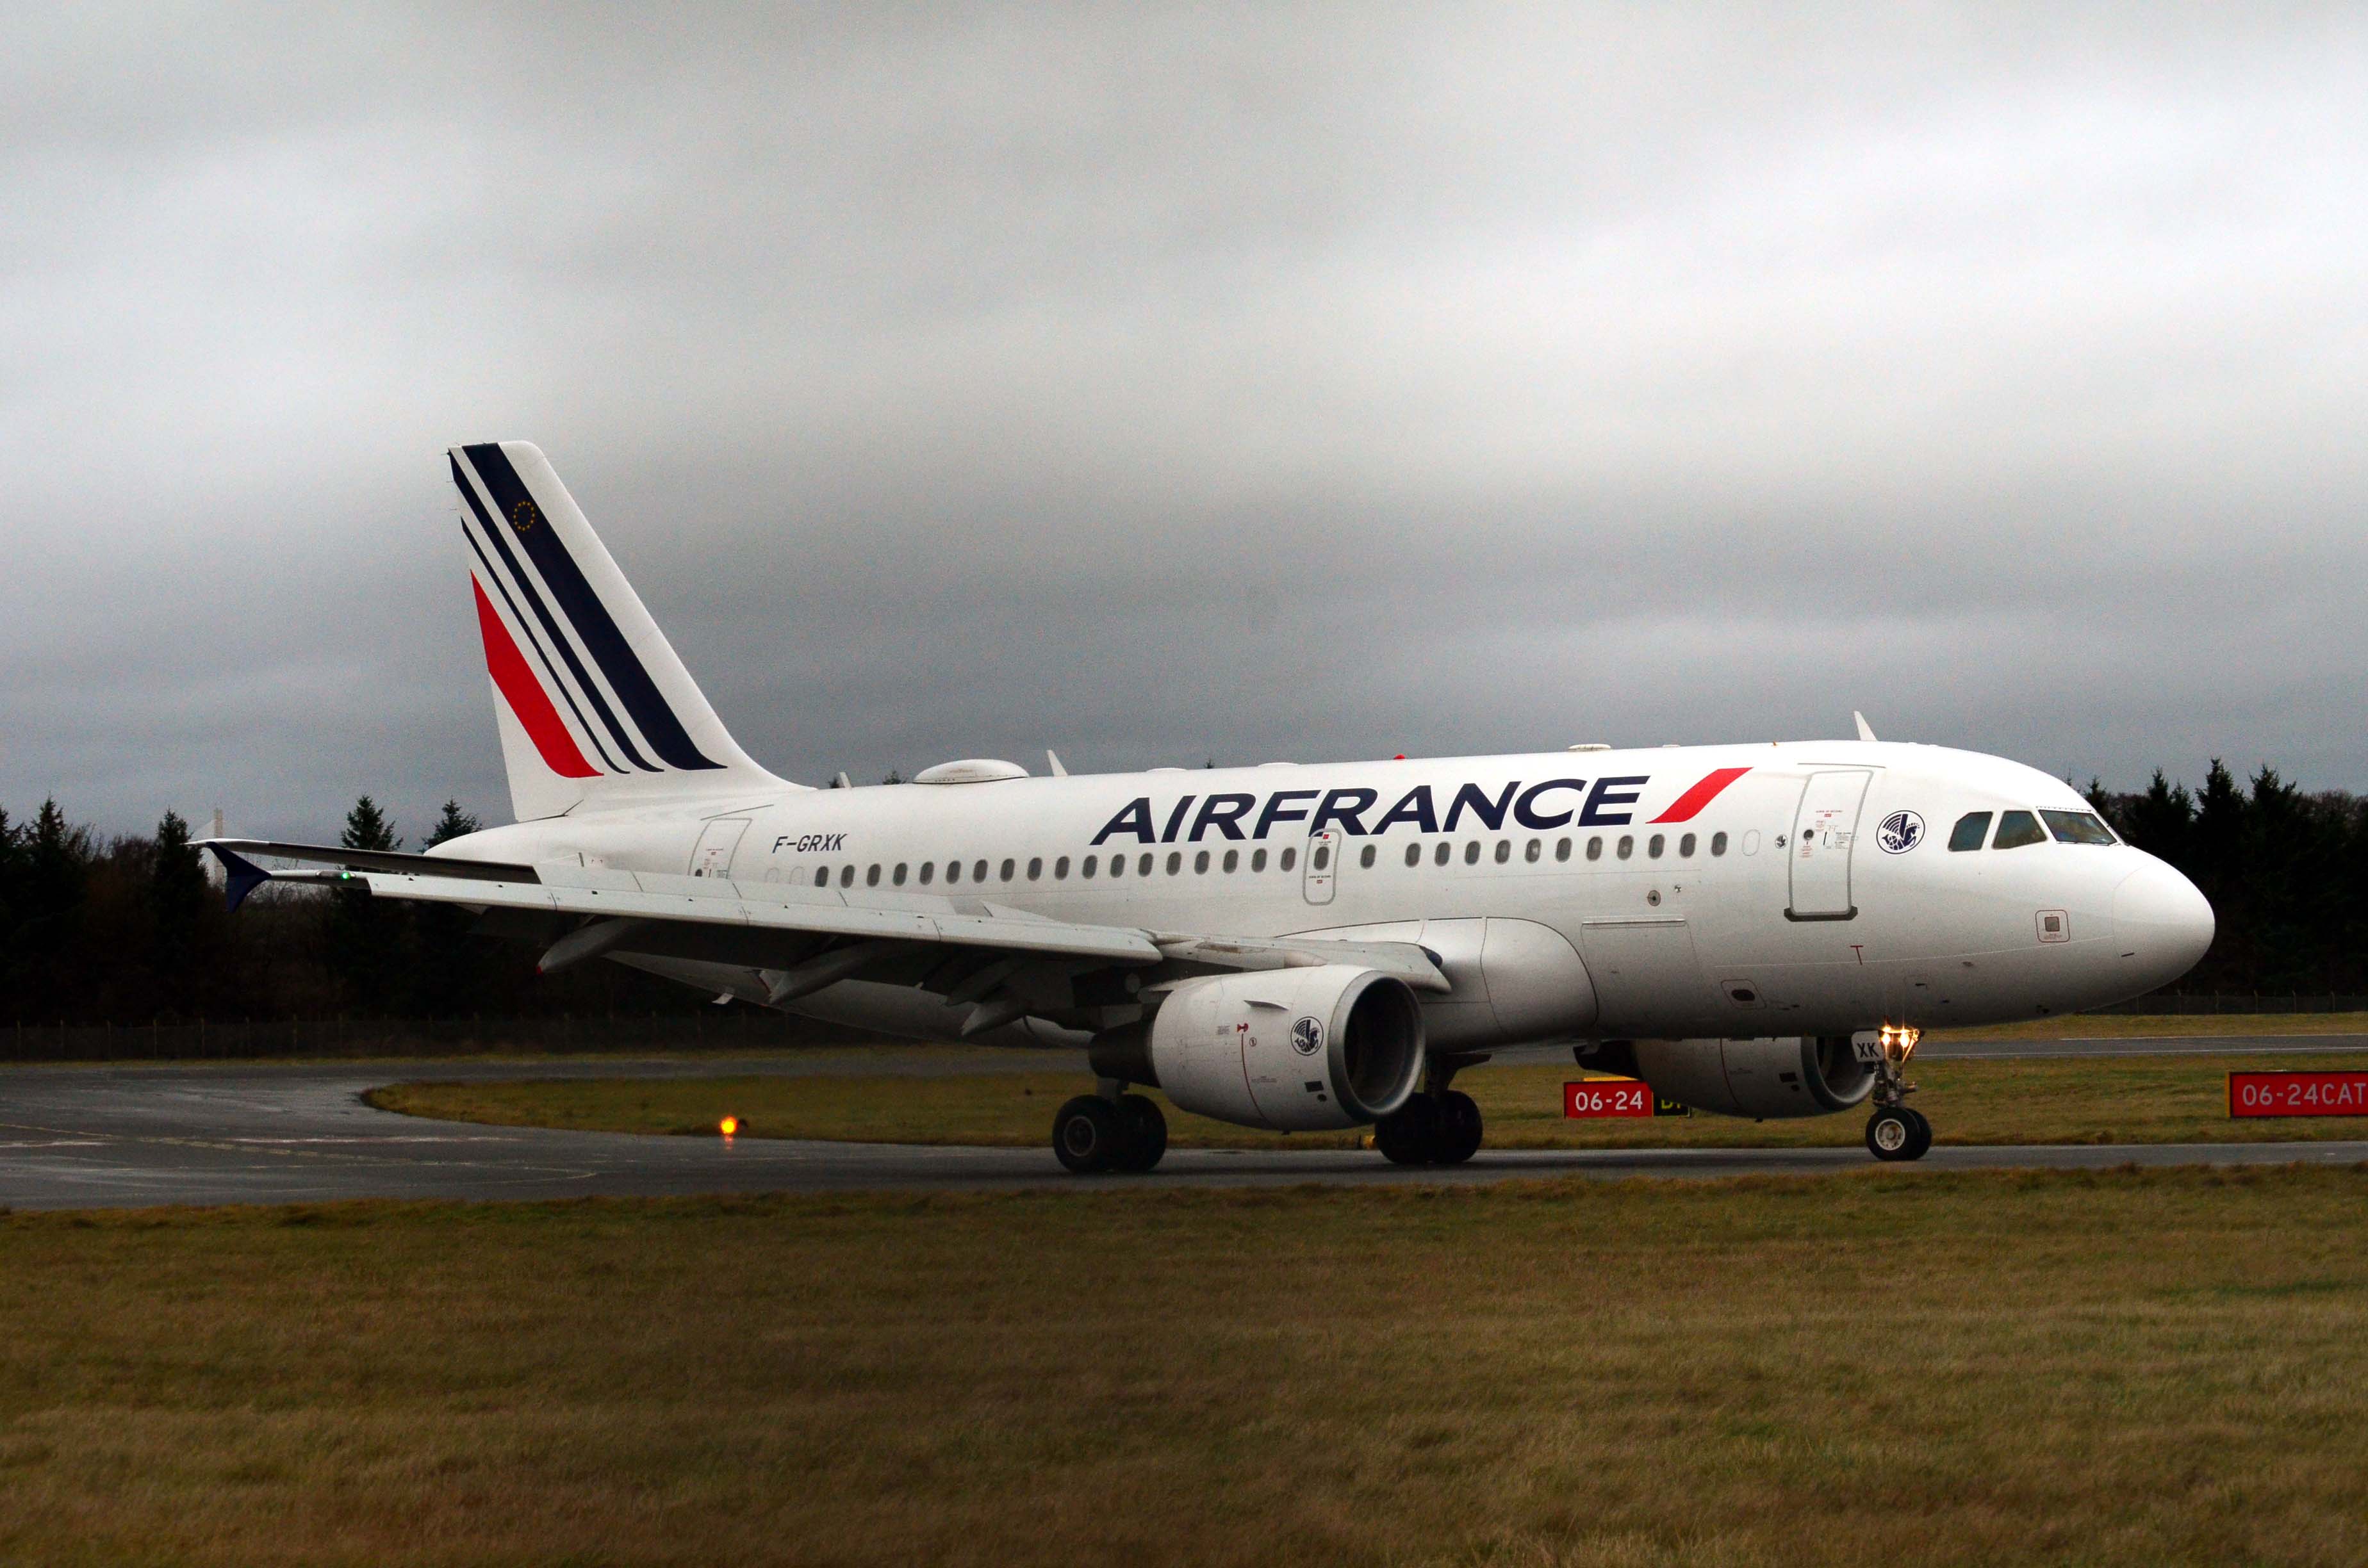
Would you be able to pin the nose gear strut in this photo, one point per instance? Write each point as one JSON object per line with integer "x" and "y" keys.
{"x": 1894, "y": 1131}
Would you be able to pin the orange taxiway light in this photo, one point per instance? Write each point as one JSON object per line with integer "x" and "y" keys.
{"x": 728, "y": 1126}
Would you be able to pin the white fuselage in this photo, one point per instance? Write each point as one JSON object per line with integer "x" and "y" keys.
{"x": 1701, "y": 891}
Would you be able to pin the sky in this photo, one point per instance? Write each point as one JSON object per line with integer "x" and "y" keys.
{"x": 1169, "y": 383}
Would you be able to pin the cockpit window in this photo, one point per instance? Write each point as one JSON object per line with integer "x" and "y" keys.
{"x": 2077, "y": 827}
{"x": 1971, "y": 829}
{"x": 2017, "y": 829}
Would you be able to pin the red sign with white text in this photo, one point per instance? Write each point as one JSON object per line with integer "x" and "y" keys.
{"x": 1615, "y": 1097}
{"x": 2298, "y": 1094}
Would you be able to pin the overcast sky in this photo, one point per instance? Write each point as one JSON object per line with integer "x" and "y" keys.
{"x": 1160, "y": 383}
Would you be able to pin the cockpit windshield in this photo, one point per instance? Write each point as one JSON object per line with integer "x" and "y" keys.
{"x": 2078, "y": 828}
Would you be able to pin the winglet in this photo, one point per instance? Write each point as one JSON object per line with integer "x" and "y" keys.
{"x": 241, "y": 876}
{"x": 1054, "y": 757}
{"x": 1865, "y": 730}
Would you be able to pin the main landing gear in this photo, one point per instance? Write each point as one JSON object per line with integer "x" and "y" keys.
{"x": 1437, "y": 1127}
{"x": 1894, "y": 1131}
{"x": 1117, "y": 1131}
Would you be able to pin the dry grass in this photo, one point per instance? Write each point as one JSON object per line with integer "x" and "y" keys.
{"x": 2108, "y": 1369}
{"x": 2120, "y": 1026}
{"x": 2139, "y": 1100}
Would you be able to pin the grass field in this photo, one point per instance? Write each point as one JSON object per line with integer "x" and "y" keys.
{"x": 2115, "y": 1368}
{"x": 2147, "y": 1099}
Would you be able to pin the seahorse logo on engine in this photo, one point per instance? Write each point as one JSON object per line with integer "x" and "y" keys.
{"x": 1307, "y": 1036}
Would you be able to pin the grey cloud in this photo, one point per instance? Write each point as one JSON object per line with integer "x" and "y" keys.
{"x": 1167, "y": 382}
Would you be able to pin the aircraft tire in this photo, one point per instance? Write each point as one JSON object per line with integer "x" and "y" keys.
{"x": 1411, "y": 1136}
{"x": 1147, "y": 1133}
{"x": 1890, "y": 1134}
{"x": 1090, "y": 1135}
{"x": 1923, "y": 1139}
{"x": 1460, "y": 1129}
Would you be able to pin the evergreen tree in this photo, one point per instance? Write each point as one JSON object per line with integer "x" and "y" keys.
{"x": 56, "y": 875}
{"x": 177, "y": 905}
{"x": 368, "y": 941}
{"x": 454, "y": 824}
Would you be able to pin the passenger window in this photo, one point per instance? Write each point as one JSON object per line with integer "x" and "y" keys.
{"x": 1504, "y": 850}
{"x": 1365, "y": 860}
{"x": 953, "y": 871}
{"x": 872, "y": 877}
{"x": 1087, "y": 870}
{"x": 1233, "y": 859}
{"x": 1718, "y": 843}
{"x": 1258, "y": 859}
{"x": 899, "y": 877}
{"x": 1061, "y": 869}
{"x": 1414, "y": 854}
{"x": 847, "y": 876}
{"x": 1595, "y": 847}
{"x": 1532, "y": 852}
{"x": 822, "y": 878}
{"x": 1686, "y": 847}
{"x": 1652, "y": 845}
{"x": 2017, "y": 829}
{"x": 1175, "y": 861}
{"x": 928, "y": 870}
{"x": 1971, "y": 829}
{"x": 1009, "y": 866}
{"x": 1118, "y": 865}
{"x": 1472, "y": 853}
{"x": 1445, "y": 850}
{"x": 1290, "y": 857}
{"x": 978, "y": 872}
{"x": 1627, "y": 846}
{"x": 1142, "y": 867}
{"x": 1319, "y": 858}
{"x": 1201, "y": 864}
{"x": 2077, "y": 827}
{"x": 1035, "y": 868}
{"x": 1562, "y": 848}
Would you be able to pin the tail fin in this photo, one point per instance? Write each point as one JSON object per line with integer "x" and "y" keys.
{"x": 593, "y": 704}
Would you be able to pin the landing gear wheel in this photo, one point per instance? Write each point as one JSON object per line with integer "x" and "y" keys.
{"x": 1894, "y": 1132}
{"x": 1089, "y": 1134}
{"x": 1409, "y": 1137}
{"x": 1147, "y": 1133}
{"x": 1457, "y": 1137}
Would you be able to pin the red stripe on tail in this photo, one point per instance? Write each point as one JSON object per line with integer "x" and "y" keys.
{"x": 1686, "y": 807}
{"x": 525, "y": 694}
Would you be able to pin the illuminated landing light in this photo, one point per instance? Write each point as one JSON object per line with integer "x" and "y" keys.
{"x": 1899, "y": 1042}
{"x": 729, "y": 1126}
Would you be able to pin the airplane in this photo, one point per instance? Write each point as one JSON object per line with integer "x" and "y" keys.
{"x": 1759, "y": 930}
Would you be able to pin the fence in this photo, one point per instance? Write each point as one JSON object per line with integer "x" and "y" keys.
{"x": 719, "y": 1029}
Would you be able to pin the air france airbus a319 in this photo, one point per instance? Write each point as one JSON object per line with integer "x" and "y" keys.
{"x": 1759, "y": 930}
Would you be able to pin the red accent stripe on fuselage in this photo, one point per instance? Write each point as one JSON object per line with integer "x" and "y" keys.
{"x": 525, "y": 694}
{"x": 1688, "y": 805}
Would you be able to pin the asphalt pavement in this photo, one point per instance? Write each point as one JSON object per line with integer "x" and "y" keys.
{"x": 142, "y": 1135}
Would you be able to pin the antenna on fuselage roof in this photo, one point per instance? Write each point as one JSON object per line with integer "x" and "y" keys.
{"x": 1866, "y": 730}
{"x": 842, "y": 781}
{"x": 1052, "y": 759}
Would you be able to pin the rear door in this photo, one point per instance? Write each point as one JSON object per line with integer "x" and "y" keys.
{"x": 1824, "y": 829}
{"x": 720, "y": 838}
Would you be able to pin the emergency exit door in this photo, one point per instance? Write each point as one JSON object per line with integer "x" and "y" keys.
{"x": 1322, "y": 868}
{"x": 1824, "y": 831}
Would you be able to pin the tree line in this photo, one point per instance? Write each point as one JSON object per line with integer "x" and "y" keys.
{"x": 128, "y": 930}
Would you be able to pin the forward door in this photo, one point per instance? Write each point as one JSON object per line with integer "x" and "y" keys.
{"x": 717, "y": 844}
{"x": 1824, "y": 830}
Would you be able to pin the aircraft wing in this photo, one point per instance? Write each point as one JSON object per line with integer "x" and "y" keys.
{"x": 801, "y": 938}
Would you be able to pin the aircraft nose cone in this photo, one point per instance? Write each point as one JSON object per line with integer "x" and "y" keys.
{"x": 2163, "y": 920}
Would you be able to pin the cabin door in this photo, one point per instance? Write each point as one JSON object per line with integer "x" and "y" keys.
{"x": 1823, "y": 831}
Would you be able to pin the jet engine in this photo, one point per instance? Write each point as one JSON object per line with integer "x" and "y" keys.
{"x": 1296, "y": 1050}
{"x": 1764, "y": 1079}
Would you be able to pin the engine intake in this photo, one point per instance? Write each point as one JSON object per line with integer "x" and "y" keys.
{"x": 1766, "y": 1079}
{"x": 1295, "y": 1049}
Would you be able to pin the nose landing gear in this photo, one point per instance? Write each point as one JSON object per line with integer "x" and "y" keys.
{"x": 1894, "y": 1131}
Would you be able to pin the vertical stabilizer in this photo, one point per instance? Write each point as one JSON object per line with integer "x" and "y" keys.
{"x": 594, "y": 707}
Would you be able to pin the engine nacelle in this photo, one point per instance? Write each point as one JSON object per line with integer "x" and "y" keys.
{"x": 1765, "y": 1079}
{"x": 1296, "y": 1050}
